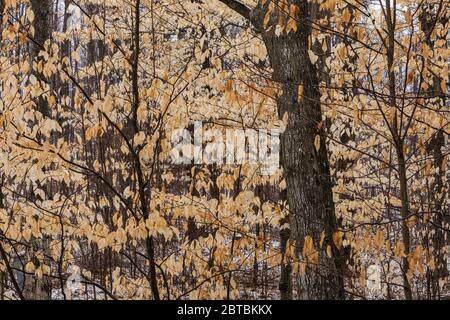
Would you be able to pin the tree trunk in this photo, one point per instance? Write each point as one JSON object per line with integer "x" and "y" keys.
{"x": 396, "y": 131}
{"x": 42, "y": 25}
{"x": 40, "y": 289}
{"x": 2, "y": 9}
{"x": 429, "y": 19}
{"x": 285, "y": 285}
{"x": 306, "y": 170}
{"x": 404, "y": 213}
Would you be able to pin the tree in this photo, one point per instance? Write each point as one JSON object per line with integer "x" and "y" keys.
{"x": 304, "y": 152}
{"x": 133, "y": 162}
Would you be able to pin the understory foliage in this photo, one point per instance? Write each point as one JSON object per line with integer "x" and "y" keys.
{"x": 93, "y": 207}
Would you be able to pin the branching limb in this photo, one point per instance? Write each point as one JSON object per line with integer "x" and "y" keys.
{"x": 238, "y": 7}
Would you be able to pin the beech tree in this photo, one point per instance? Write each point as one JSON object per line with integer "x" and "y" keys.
{"x": 285, "y": 28}
{"x": 132, "y": 149}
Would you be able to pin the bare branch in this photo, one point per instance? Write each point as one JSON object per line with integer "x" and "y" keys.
{"x": 237, "y": 7}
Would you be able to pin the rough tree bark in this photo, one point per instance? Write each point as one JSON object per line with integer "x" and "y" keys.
{"x": 42, "y": 24}
{"x": 429, "y": 19}
{"x": 306, "y": 170}
{"x": 2, "y": 8}
{"x": 285, "y": 285}
{"x": 2, "y": 16}
{"x": 38, "y": 289}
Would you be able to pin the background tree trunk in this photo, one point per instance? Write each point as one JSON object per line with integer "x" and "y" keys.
{"x": 42, "y": 25}
{"x": 40, "y": 289}
{"x": 429, "y": 18}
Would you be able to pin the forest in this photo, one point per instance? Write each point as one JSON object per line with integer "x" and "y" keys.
{"x": 224, "y": 150}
